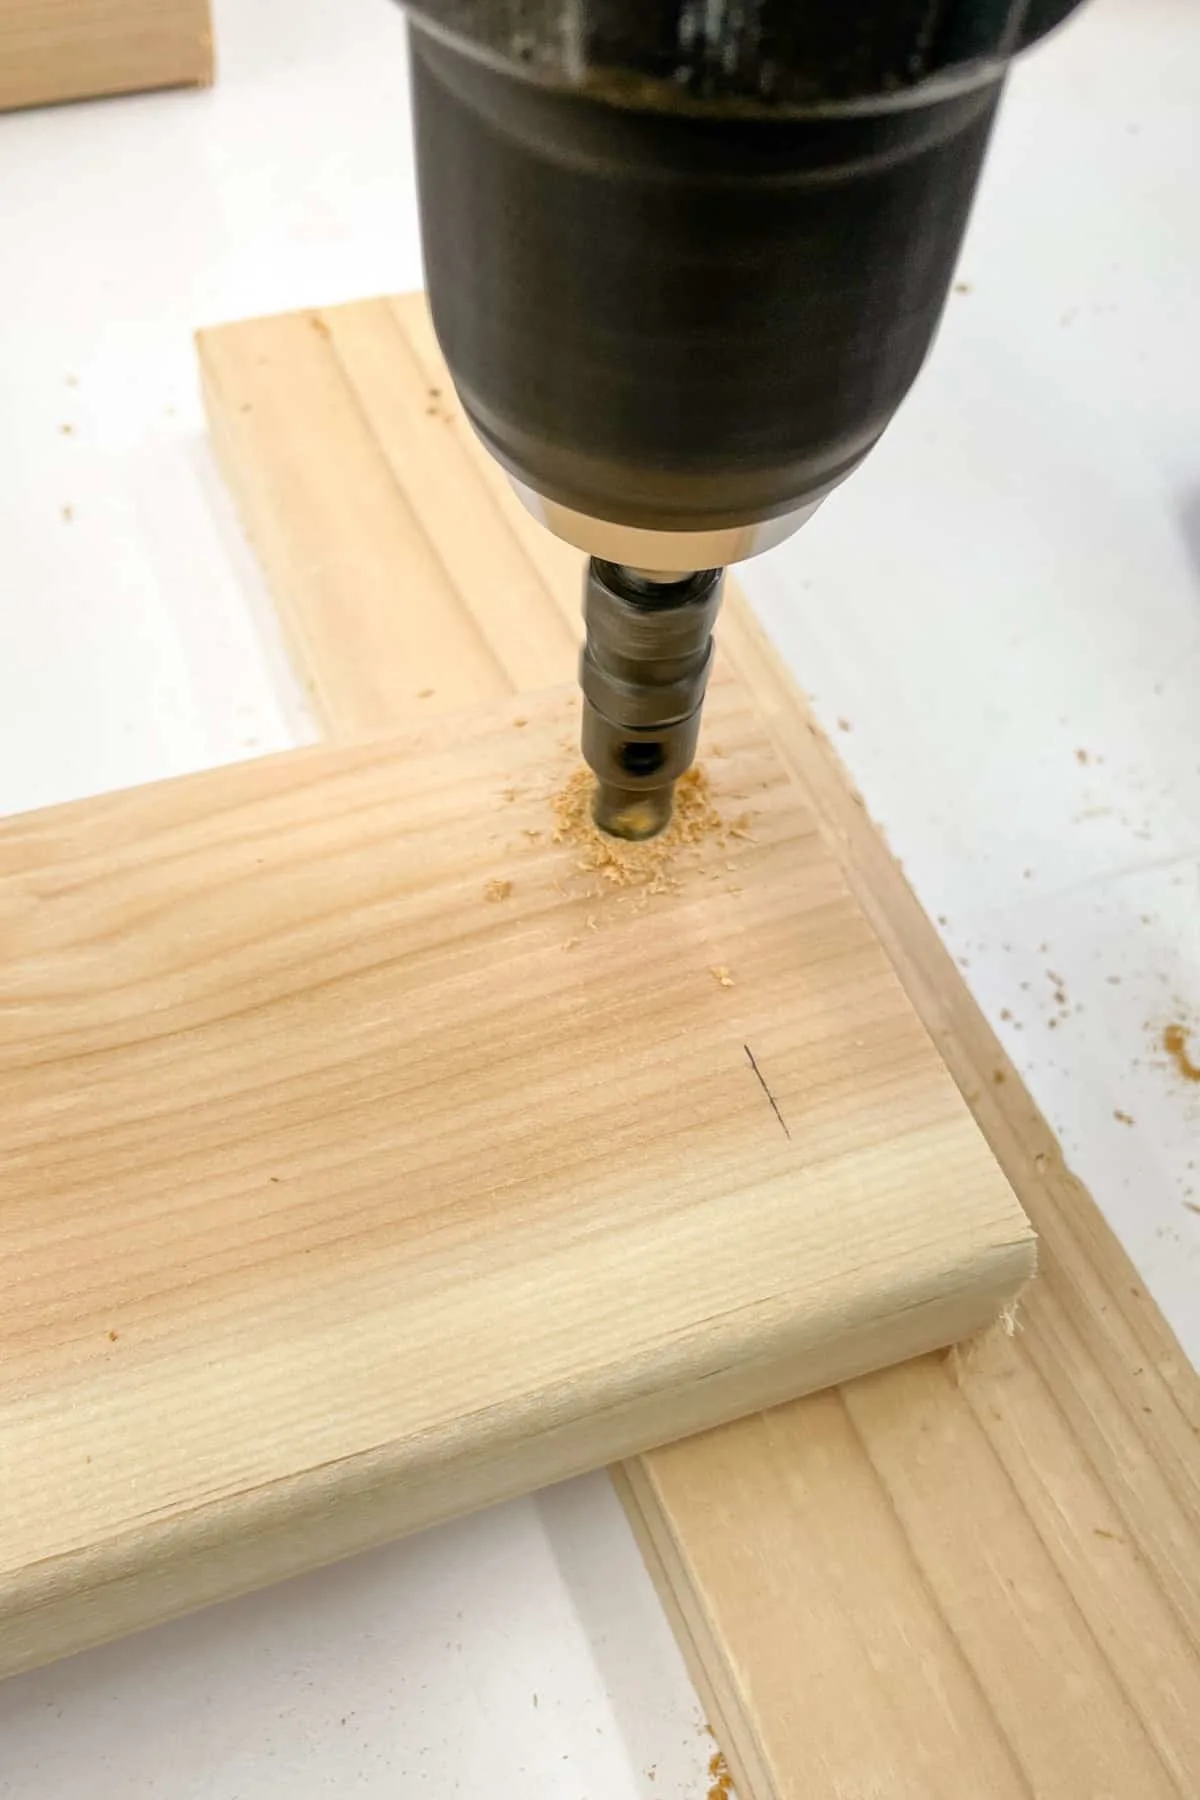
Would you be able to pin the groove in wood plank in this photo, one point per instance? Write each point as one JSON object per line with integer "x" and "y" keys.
{"x": 559, "y": 566}
{"x": 527, "y": 634}
{"x": 52, "y": 50}
{"x": 836, "y": 1640}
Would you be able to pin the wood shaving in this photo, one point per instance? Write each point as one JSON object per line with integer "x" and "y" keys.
{"x": 497, "y": 890}
{"x": 979, "y": 1350}
{"x": 1175, "y": 1043}
{"x": 651, "y": 866}
{"x": 721, "y": 1778}
{"x": 721, "y": 976}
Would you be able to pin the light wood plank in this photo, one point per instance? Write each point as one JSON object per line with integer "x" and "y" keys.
{"x": 81, "y": 49}
{"x": 979, "y": 1576}
{"x": 358, "y": 1166}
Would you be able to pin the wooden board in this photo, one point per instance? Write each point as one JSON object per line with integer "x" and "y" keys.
{"x": 975, "y": 1575}
{"x": 80, "y": 49}
{"x": 359, "y": 1165}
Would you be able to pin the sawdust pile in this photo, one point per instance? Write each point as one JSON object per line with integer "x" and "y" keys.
{"x": 652, "y": 866}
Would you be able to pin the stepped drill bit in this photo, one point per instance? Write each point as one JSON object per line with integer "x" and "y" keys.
{"x": 644, "y": 669}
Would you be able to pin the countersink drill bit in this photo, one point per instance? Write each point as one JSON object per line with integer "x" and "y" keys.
{"x": 645, "y": 666}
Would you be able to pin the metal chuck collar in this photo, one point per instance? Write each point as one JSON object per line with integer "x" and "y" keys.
{"x": 644, "y": 669}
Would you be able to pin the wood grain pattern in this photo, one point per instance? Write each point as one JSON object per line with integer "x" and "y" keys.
{"x": 358, "y": 1167}
{"x": 976, "y": 1575}
{"x": 81, "y": 49}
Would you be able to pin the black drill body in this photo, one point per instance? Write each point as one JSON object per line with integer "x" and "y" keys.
{"x": 685, "y": 258}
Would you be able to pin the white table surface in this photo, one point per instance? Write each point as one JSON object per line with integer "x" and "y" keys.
{"x": 999, "y": 616}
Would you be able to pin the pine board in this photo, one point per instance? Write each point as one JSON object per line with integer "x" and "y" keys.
{"x": 358, "y": 1167}
{"x": 974, "y": 1575}
{"x": 54, "y": 50}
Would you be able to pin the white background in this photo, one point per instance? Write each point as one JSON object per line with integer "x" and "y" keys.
{"x": 1002, "y": 609}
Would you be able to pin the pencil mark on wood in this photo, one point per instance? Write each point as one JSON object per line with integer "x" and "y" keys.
{"x": 766, "y": 1090}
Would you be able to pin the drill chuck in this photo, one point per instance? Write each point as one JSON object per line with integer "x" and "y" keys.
{"x": 679, "y": 330}
{"x": 644, "y": 669}
{"x": 684, "y": 262}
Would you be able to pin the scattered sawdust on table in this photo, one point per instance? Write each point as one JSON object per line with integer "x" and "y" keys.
{"x": 1175, "y": 1043}
{"x": 721, "y": 976}
{"x": 720, "y": 1777}
{"x": 497, "y": 890}
{"x": 654, "y": 866}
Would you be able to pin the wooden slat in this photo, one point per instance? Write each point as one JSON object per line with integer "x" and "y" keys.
{"x": 80, "y": 49}
{"x": 969, "y": 1576}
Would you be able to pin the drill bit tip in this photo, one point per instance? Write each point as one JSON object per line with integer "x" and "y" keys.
{"x": 632, "y": 813}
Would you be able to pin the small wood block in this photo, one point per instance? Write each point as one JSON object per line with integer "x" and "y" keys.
{"x": 54, "y": 50}
{"x": 366, "y": 1155}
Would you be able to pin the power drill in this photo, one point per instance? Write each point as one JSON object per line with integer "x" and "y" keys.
{"x": 685, "y": 258}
